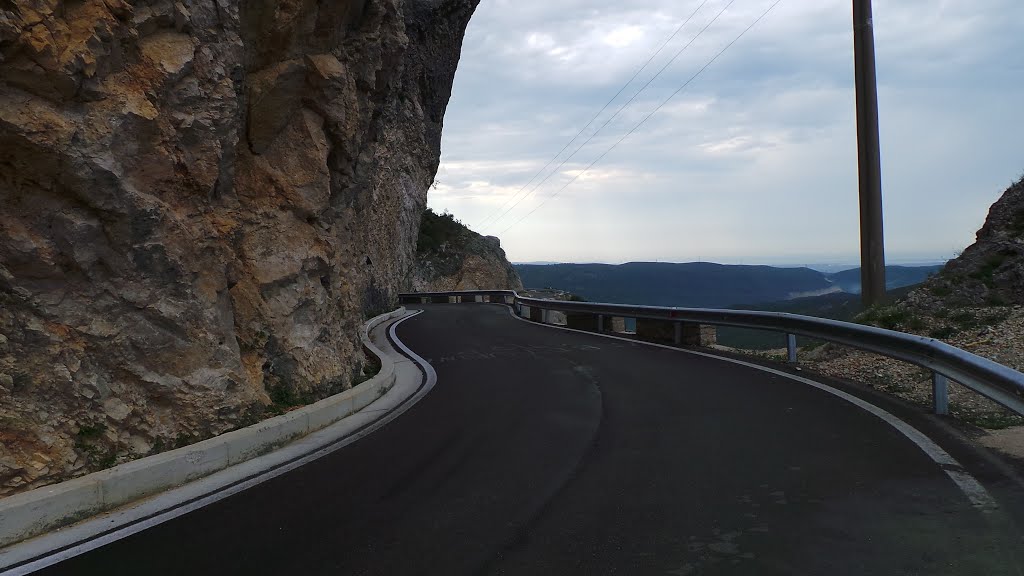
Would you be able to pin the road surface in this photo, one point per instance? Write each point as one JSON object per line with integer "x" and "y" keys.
{"x": 542, "y": 451}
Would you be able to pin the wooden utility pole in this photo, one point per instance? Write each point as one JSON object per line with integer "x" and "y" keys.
{"x": 872, "y": 245}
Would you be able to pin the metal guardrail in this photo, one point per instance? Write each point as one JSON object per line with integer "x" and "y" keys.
{"x": 990, "y": 379}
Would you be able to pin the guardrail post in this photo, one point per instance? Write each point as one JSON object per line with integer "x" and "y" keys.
{"x": 536, "y": 314}
{"x": 791, "y": 348}
{"x": 600, "y": 322}
{"x": 651, "y": 330}
{"x": 678, "y": 336}
{"x": 940, "y": 393}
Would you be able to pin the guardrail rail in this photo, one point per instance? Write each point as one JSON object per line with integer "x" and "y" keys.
{"x": 680, "y": 326}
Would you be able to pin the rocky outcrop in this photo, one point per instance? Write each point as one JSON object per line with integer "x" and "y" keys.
{"x": 989, "y": 272}
{"x": 202, "y": 202}
{"x": 975, "y": 303}
{"x": 453, "y": 257}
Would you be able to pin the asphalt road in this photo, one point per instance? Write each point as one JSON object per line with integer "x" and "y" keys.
{"x": 542, "y": 451}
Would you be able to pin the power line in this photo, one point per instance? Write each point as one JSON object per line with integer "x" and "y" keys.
{"x": 646, "y": 118}
{"x": 621, "y": 108}
{"x": 599, "y": 112}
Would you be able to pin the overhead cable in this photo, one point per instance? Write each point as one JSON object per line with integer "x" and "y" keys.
{"x": 648, "y": 117}
{"x": 599, "y": 112}
{"x": 621, "y": 108}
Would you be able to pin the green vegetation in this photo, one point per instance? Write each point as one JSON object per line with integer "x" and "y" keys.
{"x": 107, "y": 460}
{"x": 994, "y": 300}
{"x": 960, "y": 321}
{"x": 86, "y": 443}
{"x": 367, "y": 371}
{"x": 283, "y": 397}
{"x": 891, "y": 317}
{"x": 183, "y": 440}
{"x": 437, "y": 230}
{"x": 986, "y": 274}
{"x": 990, "y": 420}
{"x": 576, "y": 298}
{"x": 943, "y": 332}
{"x": 89, "y": 432}
{"x": 963, "y": 318}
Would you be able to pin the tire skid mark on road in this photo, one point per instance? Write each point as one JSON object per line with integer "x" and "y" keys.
{"x": 522, "y": 532}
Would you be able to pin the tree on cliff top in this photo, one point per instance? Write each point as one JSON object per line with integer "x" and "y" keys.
{"x": 437, "y": 230}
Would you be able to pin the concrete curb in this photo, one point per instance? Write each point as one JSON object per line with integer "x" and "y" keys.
{"x": 35, "y": 512}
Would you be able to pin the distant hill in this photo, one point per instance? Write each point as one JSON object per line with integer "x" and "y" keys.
{"x": 664, "y": 284}
{"x": 837, "y": 306}
{"x": 700, "y": 284}
{"x": 895, "y": 277}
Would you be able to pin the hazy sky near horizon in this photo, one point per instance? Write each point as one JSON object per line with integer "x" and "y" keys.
{"x": 755, "y": 161}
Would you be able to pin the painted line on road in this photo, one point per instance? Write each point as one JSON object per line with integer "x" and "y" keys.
{"x": 137, "y": 520}
{"x": 968, "y": 484}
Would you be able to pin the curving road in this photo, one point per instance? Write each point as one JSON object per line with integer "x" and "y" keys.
{"x": 542, "y": 451}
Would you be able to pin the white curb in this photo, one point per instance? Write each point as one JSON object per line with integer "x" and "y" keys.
{"x": 35, "y": 512}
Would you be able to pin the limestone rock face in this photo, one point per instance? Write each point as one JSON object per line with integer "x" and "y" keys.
{"x": 201, "y": 201}
{"x": 989, "y": 272}
{"x": 453, "y": 257}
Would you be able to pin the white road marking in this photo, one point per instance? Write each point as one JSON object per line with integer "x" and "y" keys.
{"x": 975, "y": 492}
{"x": 134, "y": 518}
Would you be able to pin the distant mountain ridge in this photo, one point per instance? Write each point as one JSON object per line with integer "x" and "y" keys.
{"x": 895, "y": 277}
{"x": 701, "y": 284}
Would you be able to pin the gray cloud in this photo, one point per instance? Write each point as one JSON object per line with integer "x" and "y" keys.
{"x": 756, "y": 160}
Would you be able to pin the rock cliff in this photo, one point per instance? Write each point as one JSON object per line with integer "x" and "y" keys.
{"x": 989, "y": 272}
{"x": 453, "y": 257}
{"x": 202, "y": 202}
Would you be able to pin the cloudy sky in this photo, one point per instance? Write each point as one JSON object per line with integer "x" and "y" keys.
{"x": 755, "y": 160}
